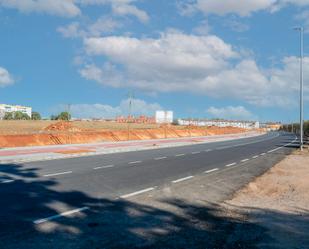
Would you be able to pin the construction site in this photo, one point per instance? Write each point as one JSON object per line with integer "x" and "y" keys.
{"x": 35, "y": 133}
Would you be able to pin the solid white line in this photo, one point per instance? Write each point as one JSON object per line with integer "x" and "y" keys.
{"x": 182, "y": 179}
{"x": 137, "y": 192}
{"x": 135, "y": 162}
{"x": 160, "y": 158}
{"x": 60, "y": 215}
{"x": 103, "y": 167}
{"x": 180, "y": 155}
{"x": 211, "y": 170}
{"x": 244, "y": 160}
{"x": 231, "y": 164}
{"x": 7, "y": 181}
{"x": 195, "y": 152}
{"x": 254, "y": 157}
{"x": 57, "y": 174}
{"x": 263, "y": 154}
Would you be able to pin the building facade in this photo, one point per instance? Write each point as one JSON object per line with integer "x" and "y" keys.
{"x": 220, "y": 123}
{"x": 4, "y": 108}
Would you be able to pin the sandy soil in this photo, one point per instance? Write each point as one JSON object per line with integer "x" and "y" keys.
{"x": 279, "y": 202}
{"x": 30, "y": 133}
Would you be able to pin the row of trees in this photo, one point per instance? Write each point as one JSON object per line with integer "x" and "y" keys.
{"x": 35, "y": 116}
{"x": 295, "y": 128}
{"x": 21, "y": 116}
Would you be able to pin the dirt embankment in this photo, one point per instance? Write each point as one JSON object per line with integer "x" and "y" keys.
{"x": 67, "y": 133}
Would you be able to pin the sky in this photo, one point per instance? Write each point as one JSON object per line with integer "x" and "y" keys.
{"x": 233, "y": 59}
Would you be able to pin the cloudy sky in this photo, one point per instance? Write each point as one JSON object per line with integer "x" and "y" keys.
{"x": 233, "y": 59}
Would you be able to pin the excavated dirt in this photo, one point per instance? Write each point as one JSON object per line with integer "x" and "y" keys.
{"x": 67, "y": 133}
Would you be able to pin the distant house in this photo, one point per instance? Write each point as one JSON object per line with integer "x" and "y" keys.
{"x": 4, "y": 108}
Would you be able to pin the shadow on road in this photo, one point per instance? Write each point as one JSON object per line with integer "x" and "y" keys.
{"x": 120, "y": 223}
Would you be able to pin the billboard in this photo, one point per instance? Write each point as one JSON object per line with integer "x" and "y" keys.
{"x": 164, "y": 117}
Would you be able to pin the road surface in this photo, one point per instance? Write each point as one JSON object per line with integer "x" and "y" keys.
{"x": 38, "y": 192}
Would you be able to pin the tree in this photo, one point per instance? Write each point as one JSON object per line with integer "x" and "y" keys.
{"x": 20, "y": 116}
{"x": 64, "y": 116}
{"x": 35, "y": 116}
{"x": 8, "y": 116}
{"x": 53, "y": 117}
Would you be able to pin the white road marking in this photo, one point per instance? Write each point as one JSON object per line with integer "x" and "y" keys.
{"x": 7, "y": 181}
{"x": 137, "y": 192}
{"x": 254, "y": 157}
{"x": 104, "y": 167}
{"x": 224, "y": 147}
{"x": 67, "y": 213}
{"x": 182, "y": 179}
{"x": 208, "y": 150}
{"x": 160, "y": 158}
{"x": 57, "y": 174}
{"x": 135, "y": 162}
{"x": 195, "y": 152}
{"x": 211, "y": 170}
{"x": 231, "y": 164}
{"x": 179, "y": 155}
{"x": 263, "y": 154}
{"x": 244, "y": 160}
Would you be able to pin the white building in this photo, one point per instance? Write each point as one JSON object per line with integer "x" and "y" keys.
{"x": 164, "y": 117}
{"x": 220, "y": 123}
{"x": 14, "y": 108}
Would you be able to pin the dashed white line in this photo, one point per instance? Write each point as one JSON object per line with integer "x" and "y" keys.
{"x": 179, "y": 155}
{"x": 231, "y": 164}
{"x": 137, "y": 192}
{"x": 7, "y": 181}
{"x": 57, "y": 174}
{"x": 244, "y": 160}
{"x": 211, "y": 170}
{"x": 208, "y": 150}
{"x": 39, "y": 221}
{"x": 104, "y": 167}
{"x": 182, "y": 179}
{"x": 263, "y": 154}
{"x": 135, "y": 162}
{"x": 160, "y": 158}
{"x": 195, "y": 152}
{"x": 254, "y": 157}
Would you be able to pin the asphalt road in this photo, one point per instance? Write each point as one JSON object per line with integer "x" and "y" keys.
{"x": 34, "y": 191}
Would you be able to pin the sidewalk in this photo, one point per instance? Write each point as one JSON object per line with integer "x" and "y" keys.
{"x": 38, "y": 153}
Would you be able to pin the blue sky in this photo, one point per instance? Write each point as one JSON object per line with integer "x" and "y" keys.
{"x": 234, "y": 59}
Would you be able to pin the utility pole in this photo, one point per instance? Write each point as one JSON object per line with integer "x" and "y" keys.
{"x": 301, "y": 121}
{"x": 130, "y": 96}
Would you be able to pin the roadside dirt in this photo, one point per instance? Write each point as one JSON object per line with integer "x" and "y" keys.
{"x": 69, "y": 133}
{"x": 279, "y": 202}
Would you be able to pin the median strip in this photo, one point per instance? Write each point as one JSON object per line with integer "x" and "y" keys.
{"x": 67, "y": 213}
{"x": 211, "y": 170}
{"x": 137, "y": 192}
{"x": 182, "y": 179}
{"x": 57, "y": 174}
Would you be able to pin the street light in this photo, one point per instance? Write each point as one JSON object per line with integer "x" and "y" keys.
{"x": 301, "y": 31}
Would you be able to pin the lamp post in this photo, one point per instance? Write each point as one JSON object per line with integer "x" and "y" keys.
{"x": 301, "y": 31}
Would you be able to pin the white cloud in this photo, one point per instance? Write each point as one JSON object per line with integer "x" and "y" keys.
{"x": 231, "y": 112}
{"x": 104, "y": 25}
{"x": 72, "y": 8}
{"x": 139, "y": 107}
{"x": 5, "y": 78}
{"x": 239, "y": 7}
{"x": 206, "y": 65}
{"x": 66, "y": 8}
